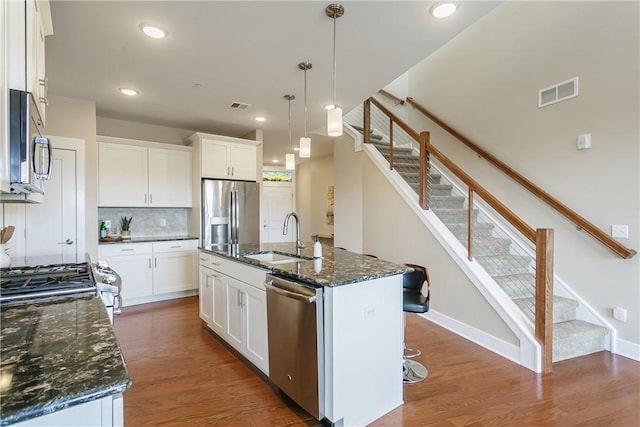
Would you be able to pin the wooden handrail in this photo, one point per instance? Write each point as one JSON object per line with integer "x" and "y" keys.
{"x": 394, "y": 98}
{"x": 572, "y": 216}
{"x": 405, "y": 127}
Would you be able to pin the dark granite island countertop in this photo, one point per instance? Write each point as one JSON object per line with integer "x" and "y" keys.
{"x": 337, "y": 266}
{"x": 56, "y": 353}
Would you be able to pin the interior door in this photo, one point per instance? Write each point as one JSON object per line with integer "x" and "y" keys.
{"x": 277, "y": 202}
{"x": 51, "y": 226}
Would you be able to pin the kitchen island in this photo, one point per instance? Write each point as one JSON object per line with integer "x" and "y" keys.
{"x": 361, "y": 328}
{"x": 60, "y": 363}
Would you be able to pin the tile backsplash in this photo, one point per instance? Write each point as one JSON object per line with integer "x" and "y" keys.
{"x": 149, "y": 221}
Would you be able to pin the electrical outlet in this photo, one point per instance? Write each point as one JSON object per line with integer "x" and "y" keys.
{"x": 163, "y": 222}
{"x": 620, "y": 314}
{"x": 370, "y": 311}
{"x": 107, "y": 223}
{"x": 620, "y": 231}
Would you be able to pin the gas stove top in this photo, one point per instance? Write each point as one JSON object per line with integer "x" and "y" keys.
{"x": 46, "y": 280}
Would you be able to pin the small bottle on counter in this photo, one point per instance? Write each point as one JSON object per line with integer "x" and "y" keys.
{"x": 103, "y": 230}
{"x": 317, "y": 248}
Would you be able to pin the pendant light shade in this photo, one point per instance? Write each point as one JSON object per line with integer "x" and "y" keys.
{"x": 305, "y": 141}
{"x": 305, "y": 147}
{"x": 290, "y": 161}
{"x": 290, "y": 158}
{"x": 334, "y": 113}
{"x": 334, "y": 121}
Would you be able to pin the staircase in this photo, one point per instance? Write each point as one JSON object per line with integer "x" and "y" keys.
{"x": 498, "y": 255}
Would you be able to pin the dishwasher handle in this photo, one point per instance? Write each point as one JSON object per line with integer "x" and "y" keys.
{"x": 300, "y": 297}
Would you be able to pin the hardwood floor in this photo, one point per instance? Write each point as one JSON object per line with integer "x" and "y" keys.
{"x": 183, "y": 375}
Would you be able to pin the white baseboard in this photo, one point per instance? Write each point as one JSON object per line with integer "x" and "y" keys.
{"x": 628, "y": 349}
{"x": 128, "y": 302}
{"x": 507, "y": 350}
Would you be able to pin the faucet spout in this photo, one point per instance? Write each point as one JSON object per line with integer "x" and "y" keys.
{"x": 299, "y": 244}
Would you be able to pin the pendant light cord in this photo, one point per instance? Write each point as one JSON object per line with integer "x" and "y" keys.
{"x": 305, "y": 102}
{"x": 290, "y": 149}
{"x": 334, "y": 61}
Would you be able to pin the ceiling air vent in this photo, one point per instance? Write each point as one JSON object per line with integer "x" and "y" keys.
{"x": 239, "y": 105}
{"x": 558, "y": 92}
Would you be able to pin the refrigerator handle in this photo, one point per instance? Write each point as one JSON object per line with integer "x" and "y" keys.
{"x": 231, "y": 217}
{"x": 236, "y": 220}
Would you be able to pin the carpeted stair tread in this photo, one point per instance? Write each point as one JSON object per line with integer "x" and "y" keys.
{"x": 502, "y": 265}
{"x": 483, "y": 245}
{"x": 564, "y": 309}
{"x": 517, "y": 285}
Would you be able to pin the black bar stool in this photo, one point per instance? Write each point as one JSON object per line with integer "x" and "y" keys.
{"x": 414, "y": 301}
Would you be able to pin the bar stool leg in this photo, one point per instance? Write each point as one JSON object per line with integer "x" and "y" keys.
{"x": 412, "y": 371}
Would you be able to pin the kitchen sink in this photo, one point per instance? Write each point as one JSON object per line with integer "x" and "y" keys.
{"x": 276, "y": 258}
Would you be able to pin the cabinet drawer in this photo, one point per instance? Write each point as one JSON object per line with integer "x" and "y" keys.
{"x": 175, "y": 246}
{"x": 250, "y": 275}
{"x": 219, "y": 264}
{"x": 126, "y": 249}
{"x": 204, "y": 259}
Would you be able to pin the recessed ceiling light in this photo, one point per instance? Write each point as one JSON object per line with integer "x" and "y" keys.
{"x": 296, "y": 148}
{"x": 329, "y": 107}
{"x": 275, "y": 161}
{"x": 443, "y": 9}
{"x": 128, "y": 91}
{"x": 153, "y": 31}
{"x": 261, "y": 119}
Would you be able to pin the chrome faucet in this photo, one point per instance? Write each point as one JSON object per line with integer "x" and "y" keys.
{"x": 299, "y": 244}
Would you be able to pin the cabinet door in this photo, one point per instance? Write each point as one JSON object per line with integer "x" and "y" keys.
{"x": 242, "y": 160}
{"x": 205, "y": 294}
{"x": 169, "y": 178}
{"x": 214, "y": 159}
{"x": 122, "y": 175}
{"x": 219, "y": 303}
{"x": 136, "y": 274}
{"x": 234, "y": 332}
{"x": 256, "y": 348}
{"x": 174, "y": 272}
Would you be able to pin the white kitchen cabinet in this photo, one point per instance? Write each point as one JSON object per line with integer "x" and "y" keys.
{"x": 139, "y": 174}
{"x": 28, "y": 22}
{"x": 174, "y": 267}
{"x": 153, "y": 271}
{"x": 132, "y": 261}
{"x": 105, "y": 412}
{"x": 239, "y": 306}
{"x": 225, "y": 157}
{"x": 205, "y": 294}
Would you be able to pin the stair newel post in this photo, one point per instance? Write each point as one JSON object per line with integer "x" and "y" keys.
{"x": 423, "y": 189}
{"x": 366, "y": 115}
{"x": 544, "y": 295}
{"x": 470, "y": 227}
{"x": 390, "y": 143}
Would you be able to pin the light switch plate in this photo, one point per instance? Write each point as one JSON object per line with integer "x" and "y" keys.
{"x": 107, "y": 223}
{"x": 620, "y": 231}
{"x": 584, "y": 141}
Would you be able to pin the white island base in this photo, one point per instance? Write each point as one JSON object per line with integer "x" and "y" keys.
{"x": 363, "y": 350}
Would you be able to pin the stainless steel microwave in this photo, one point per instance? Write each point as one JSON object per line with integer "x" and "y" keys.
{"x": 30, "y": 156}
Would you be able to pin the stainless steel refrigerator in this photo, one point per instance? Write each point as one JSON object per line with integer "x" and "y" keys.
{"x": 230, "y": 212}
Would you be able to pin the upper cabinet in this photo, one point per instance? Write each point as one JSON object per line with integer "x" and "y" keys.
{"x": 225, "y": 157}
{"x": 143, "y": 174}
{"x": 28, "y": 23}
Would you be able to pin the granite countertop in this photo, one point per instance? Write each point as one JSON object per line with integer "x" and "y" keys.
{"x": 55, "y": 353}
{"x": 144, "y": 239}
{"x": 337, "y": 267}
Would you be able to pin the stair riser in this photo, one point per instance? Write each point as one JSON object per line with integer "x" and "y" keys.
{"x": 456, "y": 217}
{"x": 446, "y": 203}
{"x": 578, "y": 346}
{"x": 487, "y": 247}
{"x": 564, "y": 310}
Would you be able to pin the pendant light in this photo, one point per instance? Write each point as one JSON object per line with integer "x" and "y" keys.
{"x": 290, "y": 158}
{"x": 305, "y": 141}
{"x": 334, "y": 113}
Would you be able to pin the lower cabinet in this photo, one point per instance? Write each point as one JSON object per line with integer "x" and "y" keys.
{"x": 153, "y": 271}
{"x": 105, "y": 412}
{"x": 233, "y": 303}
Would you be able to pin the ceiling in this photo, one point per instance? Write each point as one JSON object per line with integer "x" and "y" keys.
{"x": 219, "y": 52}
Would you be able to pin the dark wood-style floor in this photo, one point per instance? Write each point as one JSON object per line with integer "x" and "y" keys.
{"x": 183, "y": 376}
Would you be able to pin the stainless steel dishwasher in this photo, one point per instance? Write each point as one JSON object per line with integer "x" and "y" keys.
{"x": 296, "y": 350}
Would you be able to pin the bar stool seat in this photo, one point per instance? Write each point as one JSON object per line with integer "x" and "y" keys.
{"x": 414, "y": 300}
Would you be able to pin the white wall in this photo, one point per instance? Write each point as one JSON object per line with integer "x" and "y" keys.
{"x": 76, "y": 118}
{"x": 348, "y": 211}
{"x": 312, "y": 179}
{"x": 107, "y": 126}
{"x": 485, "y": 83}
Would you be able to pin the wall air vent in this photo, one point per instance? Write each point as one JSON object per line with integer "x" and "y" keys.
{"x": 239, "y": 105}
{"x": 558, "y": 92}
